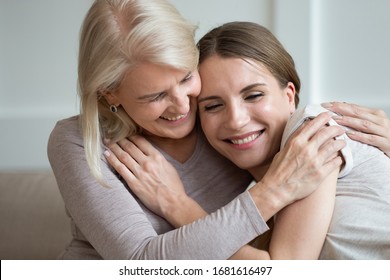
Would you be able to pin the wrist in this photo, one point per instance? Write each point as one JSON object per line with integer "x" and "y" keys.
{"x": 268, "y": 198}
{"x": 182, "y": 210}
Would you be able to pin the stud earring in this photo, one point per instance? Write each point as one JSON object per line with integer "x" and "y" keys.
{"x": 113, "y": 108}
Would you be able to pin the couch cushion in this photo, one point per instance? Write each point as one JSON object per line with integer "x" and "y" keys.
{"x": 34, "y": 224}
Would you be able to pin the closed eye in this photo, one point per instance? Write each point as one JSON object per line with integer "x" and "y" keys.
{"x": 158, "y": 97}
{"x": 253, "y": 96}
{"x": 212, "y": 107}
{"x": 187, "y": 77}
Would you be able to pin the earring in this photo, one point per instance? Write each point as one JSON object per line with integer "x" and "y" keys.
{"x": 113, "y": 108}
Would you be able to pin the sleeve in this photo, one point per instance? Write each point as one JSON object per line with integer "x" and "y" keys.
{"x": 310, "y": 112}
{"x": 113, "y": 222}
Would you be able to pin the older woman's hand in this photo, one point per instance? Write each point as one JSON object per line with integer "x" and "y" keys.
{"x": 371, "y": 126}
{"x": 147, "y": 173}
{"x": 153, "y": 180}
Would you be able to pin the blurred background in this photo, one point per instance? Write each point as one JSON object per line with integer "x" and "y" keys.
{"x": 341, "y": 48}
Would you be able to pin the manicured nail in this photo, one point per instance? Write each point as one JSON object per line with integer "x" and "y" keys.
{"x": 326, "y": 105}
{"x": 106, "y": 153}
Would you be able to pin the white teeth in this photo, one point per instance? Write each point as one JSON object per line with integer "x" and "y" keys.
{"x": 246, "y": 139}
{"x": 174, "y": 118}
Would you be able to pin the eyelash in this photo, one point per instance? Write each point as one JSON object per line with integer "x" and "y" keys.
{"x": 158, "y": 97}
{"x": 250, "y": 97}
{"x": 254, "y": 96}
{"x": 187, "y": 78}
{"x": 208, "y": 108}
{"x": 162, "y": 94}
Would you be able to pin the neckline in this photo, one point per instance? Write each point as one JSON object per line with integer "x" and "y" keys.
{"x": 195, "y": 155}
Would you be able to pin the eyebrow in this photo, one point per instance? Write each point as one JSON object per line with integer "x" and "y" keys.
{"x": 245, "y": 89}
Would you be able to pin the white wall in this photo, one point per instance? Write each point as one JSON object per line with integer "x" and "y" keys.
{"x": 38, "y": 53}
{"x": 340, "y": 47}
{"x": 212, "y": 13}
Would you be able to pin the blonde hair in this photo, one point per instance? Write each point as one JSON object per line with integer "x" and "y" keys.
{"x": 115, "y": 36}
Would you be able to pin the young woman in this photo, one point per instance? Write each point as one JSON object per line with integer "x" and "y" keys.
{"x": 137, "y": 74}
{"x": 249, "y": 92}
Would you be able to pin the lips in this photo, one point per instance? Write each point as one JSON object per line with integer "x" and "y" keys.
{"x": 245, "y": 139}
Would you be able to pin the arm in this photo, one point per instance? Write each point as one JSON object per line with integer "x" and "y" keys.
{"x": 300, "y": 166}
{"x": 118, "y": 226}
{"x": 300, "y": 228}
{"x": 298, "y": 158}
{"x": 295, "y": 172}
{"x": 370, "y": 126}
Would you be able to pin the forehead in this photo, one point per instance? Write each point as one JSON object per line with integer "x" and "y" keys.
{"x": 151, "y": 78}
{"x": 217, "y": 71}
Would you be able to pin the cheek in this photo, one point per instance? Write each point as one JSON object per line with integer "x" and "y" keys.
{"x": 143, "y": 113}
{"x": 209, "y": 125}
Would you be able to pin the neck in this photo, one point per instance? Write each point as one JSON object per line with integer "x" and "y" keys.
{"x": 259, "y": 171}
{"x": 179, "y": 149}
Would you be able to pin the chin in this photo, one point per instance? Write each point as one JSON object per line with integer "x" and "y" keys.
{"x": 245, "y": 164}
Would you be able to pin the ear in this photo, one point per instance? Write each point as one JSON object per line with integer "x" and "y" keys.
{"x": 111, "y": 98}
{"x": 290, "y": 93}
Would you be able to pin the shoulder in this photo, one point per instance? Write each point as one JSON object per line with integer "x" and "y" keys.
{"x": 66, "y": 131}
{"x": 299, "y": 117}
{"x": 311, "y": 111}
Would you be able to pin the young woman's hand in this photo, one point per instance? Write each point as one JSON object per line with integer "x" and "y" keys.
{"x": 309, "y": 156}
{"x": 371, "y": 126}
{"x": 153, "y": 180}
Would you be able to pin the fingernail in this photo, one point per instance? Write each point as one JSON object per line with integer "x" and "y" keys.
{"x": 326, "y": 105}
{"x": 106, "y": 153}
{"x": 350, "y": 132}
{"x": 337, "y": 117}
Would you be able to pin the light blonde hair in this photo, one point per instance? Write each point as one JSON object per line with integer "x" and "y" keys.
{"x": 116, "y": 35}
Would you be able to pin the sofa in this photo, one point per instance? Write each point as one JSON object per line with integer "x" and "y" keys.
{"x": 34, "y": 224}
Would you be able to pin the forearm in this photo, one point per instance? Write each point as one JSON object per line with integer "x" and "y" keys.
{"x": 118, "y": 227}
{"x": 248, "y": 252}
{"x": 269, "y": 199}
{"x": 183, "y": 210}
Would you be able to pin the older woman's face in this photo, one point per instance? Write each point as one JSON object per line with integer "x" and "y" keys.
{"x": 243, "y": 109}
{"x": 160, "y": 99}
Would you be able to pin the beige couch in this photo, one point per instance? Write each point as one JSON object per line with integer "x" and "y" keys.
{"x": 33, "y": 221}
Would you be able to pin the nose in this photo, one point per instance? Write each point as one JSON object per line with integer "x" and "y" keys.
{"x": 180, "y": 101}
{"x": 237, "y": 117}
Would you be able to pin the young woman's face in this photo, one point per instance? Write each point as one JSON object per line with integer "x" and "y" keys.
{"x": 160, "y": 99}
{"x": 243, "y": 110}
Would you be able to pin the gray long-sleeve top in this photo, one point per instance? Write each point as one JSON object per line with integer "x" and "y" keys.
{"x": 111, "y": 223}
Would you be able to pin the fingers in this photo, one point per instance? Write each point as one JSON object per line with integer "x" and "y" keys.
{"x": 330, "y": 149}
{"x": 136, "y": 147}
{"x": 317, "y": 130}
{"x": 126, "y": 149}
{"x": 358, "y": 117}
{"x": 119, "y": 166}
{"x": 382, "y": 142}
{"x": 143, "y": 145}
{"x": 308, "y": 129}
{"x": 370, "y": 126}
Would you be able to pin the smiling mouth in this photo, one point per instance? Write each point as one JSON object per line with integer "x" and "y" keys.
{"x": 172, "y": 119}
{"x": 247, "y": 139}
